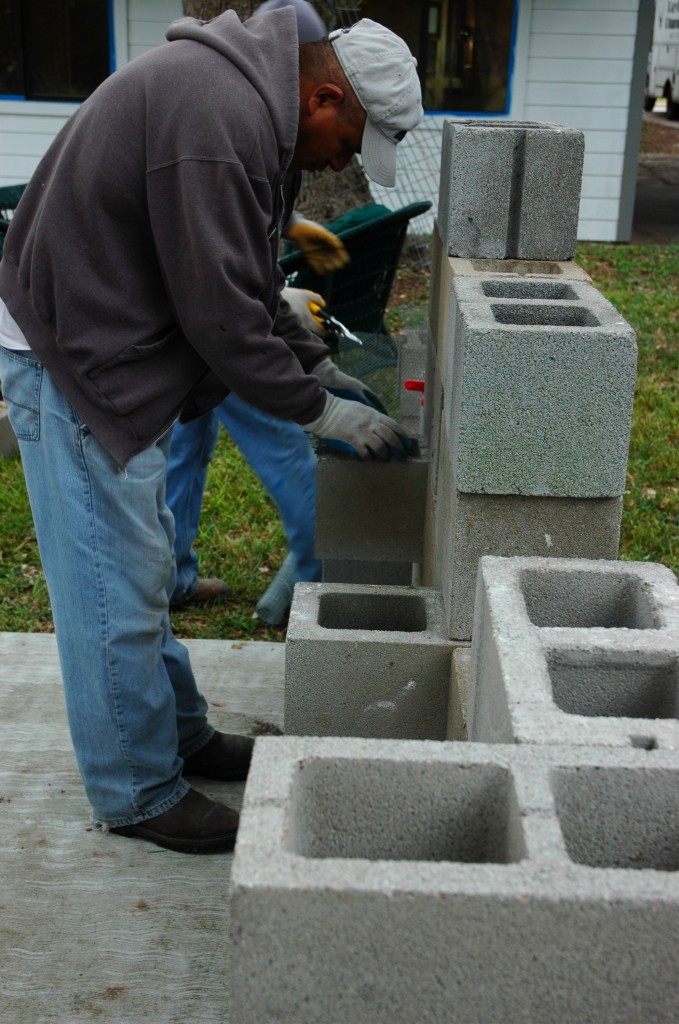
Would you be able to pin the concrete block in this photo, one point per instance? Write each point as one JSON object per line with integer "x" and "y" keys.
{"x": 9, "y": 446}
{"x": 575, "y": 651}
{"x": 540, "y": 389}
{"x": 446, "y": 269}
{"x": 397, "y": 574}
{"x": 387, "y": 882}
{"x": 372, "y": 512}
{"x": 461, "y": 528}
{"x": 366, "y": 661}
{"x": 510, "y": 189}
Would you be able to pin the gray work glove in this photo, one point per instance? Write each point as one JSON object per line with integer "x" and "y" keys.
{"x": 333, "y": 379}
{"x": 358, "y": 429}
{"x": 298, "y": 299}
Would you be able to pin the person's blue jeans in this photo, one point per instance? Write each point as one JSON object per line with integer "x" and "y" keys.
{"x": 281, "y": 455}
{"x": 106, "y": 543}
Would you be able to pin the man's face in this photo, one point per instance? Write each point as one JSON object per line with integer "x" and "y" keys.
{"x": 326, "y": 139}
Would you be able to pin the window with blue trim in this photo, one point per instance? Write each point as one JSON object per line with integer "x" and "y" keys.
{"x": 53, "y": 49}
{"x": 463, "y": 49}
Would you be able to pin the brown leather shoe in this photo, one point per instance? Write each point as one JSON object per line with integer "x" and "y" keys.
{"x": 225, "y": 756}
{"x": 208, "y": 590}
{"x": 194, "y": 825}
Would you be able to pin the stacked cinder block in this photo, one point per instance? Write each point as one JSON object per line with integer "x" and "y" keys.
{"x": 532, "y": 874}
{"x": 367, "y": 661}
{"x": 389, "y": 883}
{"x": 574, "y": 651}
{"x": 531, "y": 372}
{"x": 510, "y": 189}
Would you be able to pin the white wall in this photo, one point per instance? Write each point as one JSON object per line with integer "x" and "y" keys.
{"x": 573, "y": 64}
{"x": 28, "y": 127}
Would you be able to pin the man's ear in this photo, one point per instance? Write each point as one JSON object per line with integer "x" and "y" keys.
{"x": 326, "y": 94}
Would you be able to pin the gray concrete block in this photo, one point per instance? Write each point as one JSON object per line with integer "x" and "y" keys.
{"x": 366, "y": 661}
{"x": 575, "y": 651}
{"x": 461, "y": 528}
{"x": 446, "y": 269}
{"x": 510, "y": 189}
{"x": 397, "y": 574}
{"x": 370, "y": 511}
{"x": 9, "y": 446}
{"x": 539, "y": 389}
{"x": 389, "y": 883}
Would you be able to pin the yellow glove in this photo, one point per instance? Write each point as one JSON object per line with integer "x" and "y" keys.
{"x": 322, "y": 250}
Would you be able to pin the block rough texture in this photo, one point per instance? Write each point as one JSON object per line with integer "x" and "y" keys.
{"x": 575, "y": 651}
{"x": 510, "y": 189}
{"x": 461, "y": 528}
{"x": 382, "y": 882}
{"x": 540, "y": 388}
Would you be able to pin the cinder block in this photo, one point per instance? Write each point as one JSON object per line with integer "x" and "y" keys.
{"x": 9, "y": 446}
{"x": 510, "y": 189}
{"x": 461, "y": 528}
{"x": 539, "y": 389}
{"x": 366, "y": 661}
{"x": 390, "y": 883}
{"x": 371, "y": 512}
{"x": 446, "y": 268}
{"x": 575, "y": 651}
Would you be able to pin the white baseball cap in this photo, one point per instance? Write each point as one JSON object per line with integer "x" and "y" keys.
{"x": 382, "y": 72}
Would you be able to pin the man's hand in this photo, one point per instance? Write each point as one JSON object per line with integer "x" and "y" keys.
{"x": 360, "y": 429}
{"x": 322, "y": 250}
{"x": 298, "y": 299}
{"x": 334, "y": 379}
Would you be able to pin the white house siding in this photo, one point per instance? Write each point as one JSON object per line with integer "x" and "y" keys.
{"x": 147, "y": 21}
{"x": 575, "y": 65}
{"x": 580, "y": 72}
{"x": 27, "y": 128}
{"x": 576, "y": 62}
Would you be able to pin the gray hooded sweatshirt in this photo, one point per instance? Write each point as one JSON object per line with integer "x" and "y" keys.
{"x": 141, "y": 264}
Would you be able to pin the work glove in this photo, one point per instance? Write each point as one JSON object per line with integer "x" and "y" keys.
{"x": 335, "y": 381}
{"x": 359, "y": 430}
{"x": 322, "y": 250}
{"x": 298, "y": 299}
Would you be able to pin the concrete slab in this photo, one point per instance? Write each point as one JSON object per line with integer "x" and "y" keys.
{"x": 98, "y": 928}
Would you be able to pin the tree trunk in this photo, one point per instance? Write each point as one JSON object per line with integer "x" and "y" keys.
{"x": 323, "y": 197}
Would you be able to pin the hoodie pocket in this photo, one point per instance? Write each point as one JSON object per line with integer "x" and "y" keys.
{"x": 162, "y": 371}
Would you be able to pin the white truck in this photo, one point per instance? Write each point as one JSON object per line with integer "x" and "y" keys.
{"x": 662, "y": 75}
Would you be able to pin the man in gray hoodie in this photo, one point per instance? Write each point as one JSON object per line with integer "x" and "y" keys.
{"x": 140, "y": 283}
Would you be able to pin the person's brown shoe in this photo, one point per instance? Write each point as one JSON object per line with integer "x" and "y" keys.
{"x": 194, "y": 825}
{"x": 225, "y": 757}
{"x": 207, "y": 590}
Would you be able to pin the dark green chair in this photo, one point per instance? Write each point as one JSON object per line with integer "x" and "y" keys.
{"x": 9, "y": 200}
{"x": 358, "y": 294}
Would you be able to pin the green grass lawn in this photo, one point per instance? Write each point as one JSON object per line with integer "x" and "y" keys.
{"x": 241, "y": 539}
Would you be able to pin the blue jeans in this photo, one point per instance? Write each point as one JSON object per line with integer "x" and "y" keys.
{"x": 106, "y": 543}
{"x": 281, "y": 455}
